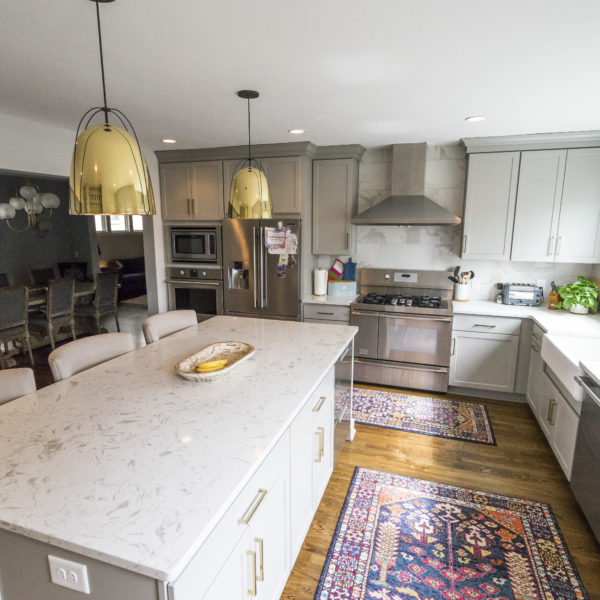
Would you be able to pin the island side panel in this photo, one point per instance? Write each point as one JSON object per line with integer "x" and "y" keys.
{"x": 25, "y": 574}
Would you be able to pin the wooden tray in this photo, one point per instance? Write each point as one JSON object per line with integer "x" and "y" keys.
{"x": 234, "y": 352}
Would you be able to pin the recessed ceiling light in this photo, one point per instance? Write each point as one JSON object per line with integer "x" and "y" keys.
{"x": 475, "y": 118}
{"x": 296, "y": 131}
{"x": 169, "y": 141}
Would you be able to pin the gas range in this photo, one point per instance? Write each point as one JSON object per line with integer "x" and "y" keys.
{"x": 405, "y": 324}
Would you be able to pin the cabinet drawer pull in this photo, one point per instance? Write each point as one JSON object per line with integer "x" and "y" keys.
{"x": 320, "y": 312}
{"x": 319, "y": 404}
{"x": 194, "y": 207}
{"x": 483, "y": 325}
{"x": 252, "y": 555}
{"x": 453, "y": 347}
{"x": 260, "y": 496}
{"x": 347, "y": 241}
{"x": 551, "y": 412}
{"x": 261, "y": 568}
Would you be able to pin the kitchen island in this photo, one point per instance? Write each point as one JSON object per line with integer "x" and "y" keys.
{"x": 153, "y": 481}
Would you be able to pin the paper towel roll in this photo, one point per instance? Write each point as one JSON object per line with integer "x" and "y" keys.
{"x": 320, "y": 282}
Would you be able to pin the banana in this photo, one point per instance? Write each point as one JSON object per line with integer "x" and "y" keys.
{"x": 211, "y": 365}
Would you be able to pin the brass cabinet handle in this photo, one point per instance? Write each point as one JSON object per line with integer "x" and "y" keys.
{"x": 260, "y": 496}
{"x": 483, "y": 325}
{"x": 322, "y": 437}
{"x": 319, "y": 404}
{"x": 252, "y": 555}
{"x": 320, "y": 432}
{"x": 464, "y": 243}
{"x": 551, "y": 246}
{"x": 261, "y": 568}
{"x": 551, "y": 412}
{"x": 321, "y": 312}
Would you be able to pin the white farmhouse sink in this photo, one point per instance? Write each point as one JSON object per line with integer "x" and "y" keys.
{"x": 563, "y": 353}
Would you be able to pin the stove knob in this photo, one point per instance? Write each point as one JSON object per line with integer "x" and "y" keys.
{"x": 181, "y": 272}
{"x": 203, "y": 273}
{"x": 387, "y": 275}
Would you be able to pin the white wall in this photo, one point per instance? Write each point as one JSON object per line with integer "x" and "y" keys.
{"x": 437, "y": 247}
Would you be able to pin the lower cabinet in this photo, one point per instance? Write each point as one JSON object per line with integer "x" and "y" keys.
{"x": 335, "y": 314}
{"x": 559, "y": 423}
{"x": 251, "y": 550}
{"x": 484, "y": 352}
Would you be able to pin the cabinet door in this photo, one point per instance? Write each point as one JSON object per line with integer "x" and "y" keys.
{"x": 323, "y": 449}
{"x": 284, "y": 177}
{"x": 579, "y": 224}
{"x": 207, "y": 190}
{"x": 269, "y": 540}
{"x": 490, "y": 205}
{"x": 235, "y": 577}
{"x": 335, "y": 192}
{"x": 534, "y": 383}
{"x": 175, "y": 191}
{"x": 565, "y": 434}
{"x": 484, "y": 361}
{"x": 538, "y": 205}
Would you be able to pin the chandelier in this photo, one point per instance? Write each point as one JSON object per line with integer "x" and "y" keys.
{"x": 109, "y": 175}
{"x": 33, "y": 203}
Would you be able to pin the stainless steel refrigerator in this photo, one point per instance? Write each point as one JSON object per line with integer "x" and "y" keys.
{"x": 258, "y": 282}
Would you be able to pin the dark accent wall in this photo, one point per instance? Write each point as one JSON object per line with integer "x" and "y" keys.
{"x": 68, "y": 240}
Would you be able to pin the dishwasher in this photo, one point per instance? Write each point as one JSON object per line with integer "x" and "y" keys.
{"x": 585, "y": 478}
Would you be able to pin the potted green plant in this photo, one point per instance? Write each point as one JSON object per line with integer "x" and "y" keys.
{"x": 579, "y": 297}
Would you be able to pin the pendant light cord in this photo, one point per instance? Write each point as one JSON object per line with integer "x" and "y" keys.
{"x": 249, "y": 155}
{"x": 102, "y": 63}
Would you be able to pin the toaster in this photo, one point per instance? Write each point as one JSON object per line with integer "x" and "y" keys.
{"x": 526, "y": 294}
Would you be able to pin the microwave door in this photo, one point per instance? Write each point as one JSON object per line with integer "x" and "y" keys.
{"x": 241, "y": 260}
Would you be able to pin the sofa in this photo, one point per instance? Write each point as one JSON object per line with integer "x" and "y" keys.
{"x": 132, "y": 277}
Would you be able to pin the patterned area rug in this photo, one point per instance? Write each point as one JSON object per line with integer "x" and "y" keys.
{"x": 439, "y": 417}
{"x": 400, "y": 538}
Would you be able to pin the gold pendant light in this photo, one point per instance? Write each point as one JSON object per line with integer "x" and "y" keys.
{"x": 249, "y": 197}
{"x": 109, "y": 175}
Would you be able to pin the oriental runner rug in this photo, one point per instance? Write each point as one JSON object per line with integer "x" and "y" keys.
{"x": 400, "y": 538}
{"x": 440, "y": 417}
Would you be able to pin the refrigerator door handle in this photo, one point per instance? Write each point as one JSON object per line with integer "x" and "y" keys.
{"x": 263, "y": 278}
{"x": 255, "y": 274}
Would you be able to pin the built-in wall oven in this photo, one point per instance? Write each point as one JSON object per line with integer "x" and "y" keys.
{"x": 195, "y": 244}
{"x": 196, "y": 288}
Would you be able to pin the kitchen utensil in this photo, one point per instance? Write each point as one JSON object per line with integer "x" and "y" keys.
{"x": 452, "y": 278}
{"x": 456, "y": 271}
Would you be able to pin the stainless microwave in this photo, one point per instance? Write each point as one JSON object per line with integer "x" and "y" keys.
{"x": 195, "y": 244}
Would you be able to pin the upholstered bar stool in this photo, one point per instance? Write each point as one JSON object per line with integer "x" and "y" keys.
{"x": 15, "y": 383}
{"x": 163, "y": 324}
{"x": 88, "y": 352}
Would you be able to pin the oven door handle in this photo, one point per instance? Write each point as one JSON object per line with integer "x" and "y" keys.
{"x": 415, "y": 318}
{"x": 196, "y": 283}
{"x": 395, "y": 365}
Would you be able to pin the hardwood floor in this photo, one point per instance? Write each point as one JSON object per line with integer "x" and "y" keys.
{"x": 522, "y": 465}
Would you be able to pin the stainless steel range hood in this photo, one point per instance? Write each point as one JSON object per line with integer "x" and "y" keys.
{"x": 407, "y": 204}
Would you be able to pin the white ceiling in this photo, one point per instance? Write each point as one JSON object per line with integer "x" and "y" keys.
{"x": 347, "y": 71}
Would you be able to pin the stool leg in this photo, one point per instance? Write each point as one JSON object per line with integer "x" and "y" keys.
{"x": 29, "y": 349}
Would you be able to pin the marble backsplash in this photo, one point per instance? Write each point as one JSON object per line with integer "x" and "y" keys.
{"x": 437, "y": 247}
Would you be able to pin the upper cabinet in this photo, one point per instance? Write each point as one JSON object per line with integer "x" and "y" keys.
{"x": 335, "y": 197}
{"x": 192, "y": 190}
{"x": 489, "y": 205}
{"x": 539, "y": 205}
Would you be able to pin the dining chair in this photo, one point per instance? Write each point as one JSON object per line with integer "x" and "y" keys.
{"x": 15, "y": 383}
{"x": 4, "y": 280}
{"x": 163, "y": 324}
{"x": 14, "y": 319}
{"x": 42, "y": 276}
{"x": 105, "y": 300}
{"x": 82, "y": 354}
{"x": 58, "y": 312}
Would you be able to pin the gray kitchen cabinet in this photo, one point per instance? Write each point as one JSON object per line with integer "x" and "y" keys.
{"x": 484, "y": 352}
{"x": 489, "y": 205}
{"x": 285, "y": 176}
{"x": 192, "y": 191}
{"x": 578, "y": 237}
{"x": 539, "y": 193}
{"x": 335, "y": 199}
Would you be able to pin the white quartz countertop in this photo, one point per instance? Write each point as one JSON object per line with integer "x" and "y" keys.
{"x": 330, "y": 300}
{"x": 557, "y": 322}
{"x": 131, "y": 464}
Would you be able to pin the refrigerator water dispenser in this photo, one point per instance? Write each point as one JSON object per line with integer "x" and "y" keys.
{"x": 238, "y": 276}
